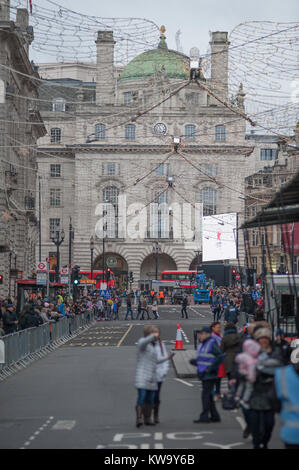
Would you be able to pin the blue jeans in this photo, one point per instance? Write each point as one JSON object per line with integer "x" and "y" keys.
{"x": 145, "y": 397}
{"x": 129, "y": 311}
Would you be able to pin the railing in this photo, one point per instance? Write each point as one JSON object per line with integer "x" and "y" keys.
{"x": 31, "y": 343}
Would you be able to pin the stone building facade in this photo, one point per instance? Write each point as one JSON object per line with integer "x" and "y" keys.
{"x": 110, "y": 138}
{"x": 265, "y": 249}
{"x": 20, "y": 127}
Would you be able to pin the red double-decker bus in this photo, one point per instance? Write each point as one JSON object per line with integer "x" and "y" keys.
{"x": 180, "y": 278}
{"x": 97, "y": 276}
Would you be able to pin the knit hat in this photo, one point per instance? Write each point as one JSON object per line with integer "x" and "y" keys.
{"x": 262, "y": 333}
{"x": 204, "y": 329}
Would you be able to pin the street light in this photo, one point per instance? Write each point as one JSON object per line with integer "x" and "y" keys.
{"x": 91, "y": 256}
{"x": 156, "y": 251}
{"x": 57, "y": 240}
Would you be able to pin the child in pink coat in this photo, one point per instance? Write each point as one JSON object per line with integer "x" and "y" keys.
{"x": 247, "y": 361}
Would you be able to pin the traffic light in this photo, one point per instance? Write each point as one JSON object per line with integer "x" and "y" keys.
{"x": 76, "y": 275}
{"x": 131, "y": 276}
{"x": 193, "y": 277}
{"x": 1, "y": 279}
{"x": 108, "y": 274}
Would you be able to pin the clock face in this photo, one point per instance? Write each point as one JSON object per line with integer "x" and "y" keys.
{"x": 160, "y": 128}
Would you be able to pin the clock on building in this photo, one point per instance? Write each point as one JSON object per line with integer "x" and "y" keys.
{"x": 159, "y": 128}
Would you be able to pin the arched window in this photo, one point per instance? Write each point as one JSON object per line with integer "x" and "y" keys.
{"x": 55, "y": 135}
{"x": 208, "y": 198}
{"x": 130, "y": 132}
{"x": 220, "y": 133}
{"x": 110, "y": 201}
{"x": 100, "y": 131}
{"x": 190, "y": 131}
{"x": 59, "y": 105}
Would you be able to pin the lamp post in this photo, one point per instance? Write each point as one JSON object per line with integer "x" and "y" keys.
{"x": 91, "y": 256}
{"x": 156, "y": 251}
{"x": 57, "y": 238}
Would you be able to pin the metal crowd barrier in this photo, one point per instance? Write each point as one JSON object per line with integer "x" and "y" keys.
{"x": 27, "y": 345}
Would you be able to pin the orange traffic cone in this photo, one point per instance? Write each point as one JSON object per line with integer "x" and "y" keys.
{"x": 179, "y": 340}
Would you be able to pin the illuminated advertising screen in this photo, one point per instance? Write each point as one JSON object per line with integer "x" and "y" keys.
{"x": 219, "y": 237}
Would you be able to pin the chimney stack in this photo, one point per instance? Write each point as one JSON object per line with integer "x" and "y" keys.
{"x": 105, "y": 68}
{"x": 219, "y": 64}
{"x": 4, "y": 10}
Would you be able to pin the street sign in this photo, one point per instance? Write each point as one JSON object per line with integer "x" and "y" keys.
{"x": 41, "y": 266}
{"x": 41, "y": 278}
{"x": 103, "y": 286}
{"x": 87, "y": 281}
{"x": 64, "y": 271}
{"x": 237, "y": 277}
{"x": 64, "y": 279}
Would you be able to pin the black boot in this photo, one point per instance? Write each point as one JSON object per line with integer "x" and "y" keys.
{"x": 139, "y": 421}
{"x": 156, "y": 413}
{"x": 147, "y": 415}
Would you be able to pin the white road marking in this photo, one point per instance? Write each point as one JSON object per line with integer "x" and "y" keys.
{"x": 185, "y": 336}
{"x": 64, "y": 425}
{"x": 36, "y": 433}
{"x": 197, "y": 313}
{"x": 186, "y": 383}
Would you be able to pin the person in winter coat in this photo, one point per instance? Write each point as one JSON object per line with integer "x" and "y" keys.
{"x": 247, "y": 362}
{"x": 208, "y": 359}
{"x": 162, "y": 369}
{"x": 216, "y": 333}
{"x": 184, "y": 306}
{"x": 155, "y": 309}
{"x": 263, "y": 400}
{"x": 287, "y": 390}
{"x": 10, "y": 321}
{"x": 146, "y": 374}
{"x": 282, "y": 346}
{"x": 31, "y": 319}
{"x": 231, "y": 313}
{"x": 230, "y": 347}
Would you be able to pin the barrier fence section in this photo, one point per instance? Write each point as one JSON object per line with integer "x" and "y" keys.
{"x": 22, "y": 345}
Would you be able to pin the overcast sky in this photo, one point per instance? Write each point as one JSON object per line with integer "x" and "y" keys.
{"x": 195, "y": 18}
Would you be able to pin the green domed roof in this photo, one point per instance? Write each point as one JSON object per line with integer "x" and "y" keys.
{"x": 172, "y": 63}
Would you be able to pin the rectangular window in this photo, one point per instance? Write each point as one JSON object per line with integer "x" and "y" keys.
{"x": 55, "y": 171}
{"x": 54, "y": 227}
{"x": 55, "y": 197}
{"x": 268, "y": 154}
{"x": 254, "y": 238}
{"x": 254, "y": 262}
{"x": 110, "y": 169}
{"x": 55, "y": 135}
{"x": 208, "y": 169}
{"x": 130, "y": 132}
{"x": 190, "y": 131}
{"x": 127, "y": 98}
{"x": 220, "y": 133}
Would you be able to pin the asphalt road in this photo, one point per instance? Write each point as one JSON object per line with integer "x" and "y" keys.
{"x": 82, "y": 396}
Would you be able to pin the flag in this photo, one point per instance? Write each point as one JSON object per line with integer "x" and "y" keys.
{"x": 30, "y": 6}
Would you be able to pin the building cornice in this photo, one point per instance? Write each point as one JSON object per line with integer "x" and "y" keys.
{"x": 150, "y": 149}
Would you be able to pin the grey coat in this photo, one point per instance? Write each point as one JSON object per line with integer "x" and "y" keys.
{"x": 147, "y": 360}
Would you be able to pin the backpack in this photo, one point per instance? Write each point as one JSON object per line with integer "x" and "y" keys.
{"x": 228, "y": 401}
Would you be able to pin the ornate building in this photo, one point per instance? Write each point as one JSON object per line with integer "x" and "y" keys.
{"x": 115, "y": 137}
{"x": 20, "y": 127}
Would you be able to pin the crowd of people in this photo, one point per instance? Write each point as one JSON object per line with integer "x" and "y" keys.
{"x": 262, "y": 380}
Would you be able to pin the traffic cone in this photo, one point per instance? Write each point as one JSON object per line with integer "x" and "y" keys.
{"x": 179, "y": 340}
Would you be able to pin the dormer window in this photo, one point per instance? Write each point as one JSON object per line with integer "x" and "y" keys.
{"x": 59, "y": 105}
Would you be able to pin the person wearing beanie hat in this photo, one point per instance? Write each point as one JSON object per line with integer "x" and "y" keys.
{"x": 262, "y": 401}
